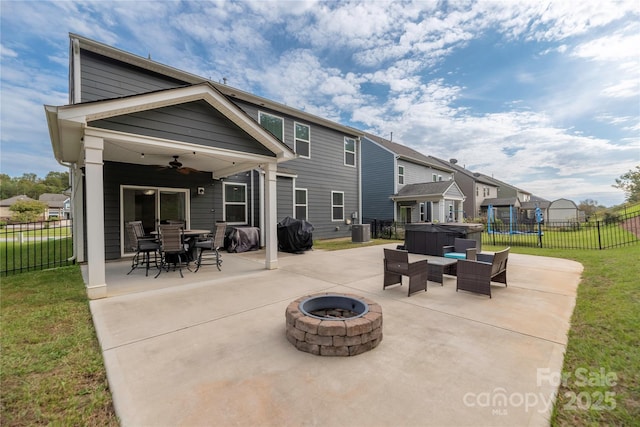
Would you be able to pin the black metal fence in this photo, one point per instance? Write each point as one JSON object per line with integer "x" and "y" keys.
{"x": 609, "y": 232}
{"x": 35, "y": 246}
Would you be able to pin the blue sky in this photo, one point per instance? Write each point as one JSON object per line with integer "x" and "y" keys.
{"x": 542, "y": 95}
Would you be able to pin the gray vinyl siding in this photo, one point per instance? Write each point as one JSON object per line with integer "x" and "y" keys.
{"x": 118, "y": 174}
{"x": 415, "y": 173}
{"x": 104, "y": 78}
{"x": 378, "y": 177}
{"x": 321, "y": 174}
{"x": 284, "y": 188}
{"x": 194, "y": 122}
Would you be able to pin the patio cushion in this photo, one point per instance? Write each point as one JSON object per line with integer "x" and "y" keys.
{"x": 455, "y": 255}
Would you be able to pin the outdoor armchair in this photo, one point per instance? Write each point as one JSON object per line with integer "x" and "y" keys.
{"x": 476, "y": 276}
{"x": 396, "y": 265}
{"x": 461, "y": 249}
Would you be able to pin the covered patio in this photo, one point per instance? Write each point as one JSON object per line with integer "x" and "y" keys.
{"x": 211, "y": 348}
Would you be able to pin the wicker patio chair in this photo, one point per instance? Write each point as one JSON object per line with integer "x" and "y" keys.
{"x": 396, "y": 265}
{"x": 142, "y": 246}
{"x": 172, "y": 249}
{"x": 213, "y": 244}
{"x": 476, "y": 276}
{"x": 461, "y": 249}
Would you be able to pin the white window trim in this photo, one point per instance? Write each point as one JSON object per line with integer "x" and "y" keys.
{"x": 296, "y": 204}
{"x": 261, "y": 113}
{"x": 421, "y": 212}
{"x": 336, "y": 206}
{"x": 295, "y": 139}
{"x": 354, "y": 152}
{"x": 224, "y": 202}
{"x": 400, "y": 175}
{"x": 434, "y": 177}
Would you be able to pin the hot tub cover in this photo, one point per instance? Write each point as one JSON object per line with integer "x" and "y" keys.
{"x": 294, "y": 235}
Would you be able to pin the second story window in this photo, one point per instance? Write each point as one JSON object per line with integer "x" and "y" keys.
{"x": 273, "y": 124}
{"x": 434, "y": 177}
{"x": 302, "y": 140}
{"x": 401, "y": 175}
{"x": 349, "y": 151}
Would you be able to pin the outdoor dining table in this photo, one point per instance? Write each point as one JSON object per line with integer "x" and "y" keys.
{"x": 190, "y": 238}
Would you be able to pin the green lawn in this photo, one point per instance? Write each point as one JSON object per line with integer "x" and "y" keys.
{"x": 53, "y": 373}
{"x": 52, "y": 368}
{"x": 602, "y": 361}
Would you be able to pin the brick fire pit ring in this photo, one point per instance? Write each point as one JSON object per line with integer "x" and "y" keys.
{"x": 331, "y": 324}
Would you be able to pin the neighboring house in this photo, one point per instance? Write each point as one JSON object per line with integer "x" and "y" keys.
{"x": 510, "y": 204}
{"x": 563, "y": 210}
{"x": 149, "y": 142}
{"x": 5, "y": 205}
{"x": 58, "y": 205}
{"x": 401, "y": 184}
{"x": 475, "y": 186}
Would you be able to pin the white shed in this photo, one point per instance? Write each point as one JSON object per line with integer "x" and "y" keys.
{"x": 562, "y": 210}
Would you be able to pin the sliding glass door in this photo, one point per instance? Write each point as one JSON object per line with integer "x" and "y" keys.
{"x": 152, "y": 206}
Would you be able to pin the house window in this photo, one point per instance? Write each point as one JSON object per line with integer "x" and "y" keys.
{"x": 401, "y": 175}
{"x": 273, "y": 124}
{"x": 300, "y": 204}
{"x": 235, "y": 203}
{"x": 439, "y": 177}
{"x": 337, "y": 206}
{"x": 434, "y": 177}
{"x": 302, "y": 140}
{"x": 421, "y": 212}
{"x": 349, "y": 151}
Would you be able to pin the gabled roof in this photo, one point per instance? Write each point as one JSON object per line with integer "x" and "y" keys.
{"x": 427, "y": 190}
{"x": 406, "y": 153}
{"x": 12, "y": 200}
{"x": 229, "y": 91}
{"x": 54, "y": 200}
{"x": 459, "y": 169}
{"x": 68, "y": 123}
{"x": 507, "y": 201}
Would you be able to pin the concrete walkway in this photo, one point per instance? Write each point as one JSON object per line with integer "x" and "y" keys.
{"x": 210, "y": 349}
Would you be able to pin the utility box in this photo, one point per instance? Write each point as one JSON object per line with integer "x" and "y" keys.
{"x": 360, "y": 233}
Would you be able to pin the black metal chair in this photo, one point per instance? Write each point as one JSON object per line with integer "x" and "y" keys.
{"x": 172, "y": 250}
{"x": 213, "y": 244}
{"x": 143, "y": 247}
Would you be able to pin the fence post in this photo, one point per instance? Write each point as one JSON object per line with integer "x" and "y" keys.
{"x": 599, "y": 237}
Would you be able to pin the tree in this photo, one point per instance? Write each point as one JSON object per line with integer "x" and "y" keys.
{"x": 30, "y": 185}
{"x": 27, "y": 210}
{"x": 630, "y": 184}
{"x": 589, "y": 207}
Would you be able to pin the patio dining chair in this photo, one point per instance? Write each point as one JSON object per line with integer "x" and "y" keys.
{"x": 213, "y": 244}
{"x": 172, "y": 249}
{"x": 142, "y": 246}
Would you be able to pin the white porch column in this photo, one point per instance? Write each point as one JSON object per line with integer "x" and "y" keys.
{"x": 77, "y": 203}
{"x": 271, "y": 219}
{"x": 94, "y": 217}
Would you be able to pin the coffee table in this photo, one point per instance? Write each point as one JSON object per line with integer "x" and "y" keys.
{"x": 436, "y": 266}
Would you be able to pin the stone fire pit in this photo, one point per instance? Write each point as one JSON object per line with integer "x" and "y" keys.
{"x": 332, "y": 324}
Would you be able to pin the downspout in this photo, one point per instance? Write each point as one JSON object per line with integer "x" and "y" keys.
{"x": 359, "y": 181}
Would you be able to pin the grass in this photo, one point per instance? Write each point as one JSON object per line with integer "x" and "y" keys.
{"x": 602, "y": 360}
{"x": 346, "y": 243}
{"x": 52, "y": 367}
{"x": 16, "y": 257}
{"x": 53, "y": 373}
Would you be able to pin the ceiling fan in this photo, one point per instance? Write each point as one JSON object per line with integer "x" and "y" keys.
{"x": 177, "y": 166}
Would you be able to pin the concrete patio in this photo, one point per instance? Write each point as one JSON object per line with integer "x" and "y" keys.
{"x": 210, "y": 349}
